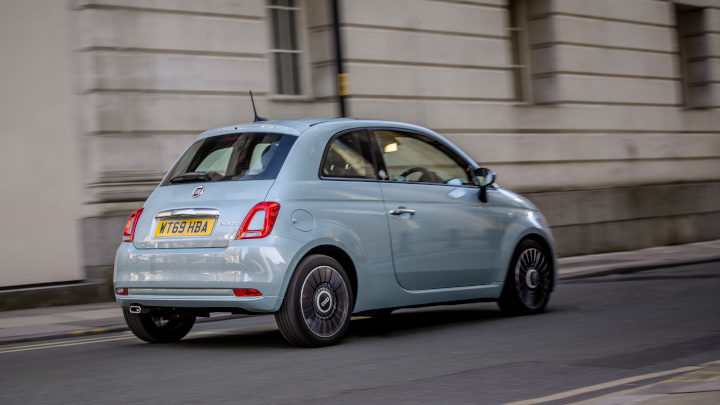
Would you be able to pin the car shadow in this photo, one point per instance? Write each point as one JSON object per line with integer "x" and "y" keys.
{"x": 419, "y": 320}
{"x": 242, "y": 339}
{"x": 218, "y": 341}
{"x": 401, "y": 322}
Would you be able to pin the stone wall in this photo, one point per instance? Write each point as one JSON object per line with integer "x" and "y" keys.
{"x": 39, "y": 150}
{"x": 605, "y": 113}
{"x": 604, "y": 136}
{"x": 585, "y": 110}
{"x": 628, "y": 218}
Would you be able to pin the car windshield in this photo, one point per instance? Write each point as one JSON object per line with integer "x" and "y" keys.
{"x": 243, "y": 156}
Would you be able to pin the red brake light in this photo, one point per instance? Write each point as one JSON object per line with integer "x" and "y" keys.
{"x": 121, "y": 291}
{"x": 246, "y": 292}
{"x": 254, "y": 229}
{"x": 129, "y": 233}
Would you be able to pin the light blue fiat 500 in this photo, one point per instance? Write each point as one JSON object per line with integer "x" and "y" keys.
{"x": 316, "y": 220}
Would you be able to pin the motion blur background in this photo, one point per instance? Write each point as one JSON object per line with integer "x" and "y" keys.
{"x": 605, "y": 113}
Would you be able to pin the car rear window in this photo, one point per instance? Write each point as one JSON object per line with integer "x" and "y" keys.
{"x": 243, "y": 156}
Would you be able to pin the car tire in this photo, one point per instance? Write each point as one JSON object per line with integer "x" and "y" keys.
{"x": 529, "y": 280}
{"x": 154, "y": 327}
{"x": 318, "y": 304}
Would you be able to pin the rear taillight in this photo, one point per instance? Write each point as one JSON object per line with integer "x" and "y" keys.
{"x": 121, "y": 291}
{"x": 129, "y": 233}
{"x": 259, "y": 221}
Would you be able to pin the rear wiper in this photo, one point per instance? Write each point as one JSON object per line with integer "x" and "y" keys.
{"x": 190, "y": 177}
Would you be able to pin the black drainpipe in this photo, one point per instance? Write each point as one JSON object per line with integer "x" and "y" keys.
{"x": 343, "y": 80}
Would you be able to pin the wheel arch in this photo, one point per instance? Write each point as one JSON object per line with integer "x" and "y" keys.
{"x": 343, "y": 258}
{"x": 545, "y": 244}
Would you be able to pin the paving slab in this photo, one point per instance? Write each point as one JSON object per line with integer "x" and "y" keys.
{"x": 638, "y": 260}
{"x": 695, "y": 387}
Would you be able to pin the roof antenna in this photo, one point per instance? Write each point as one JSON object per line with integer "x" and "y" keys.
{"x": 255, "y": 111}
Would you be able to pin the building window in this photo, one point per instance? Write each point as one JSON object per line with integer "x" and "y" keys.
{"x": 695, "y": 67}
{"x": 520, "y": 50}
{"x": 285, "y": 52}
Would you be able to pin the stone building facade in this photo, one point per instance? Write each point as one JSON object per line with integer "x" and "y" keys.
{"x": 605, "y": 113}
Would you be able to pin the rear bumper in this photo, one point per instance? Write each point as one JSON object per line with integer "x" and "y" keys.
{"x": 196, "y": 298}
{"x": 205, "y": 277}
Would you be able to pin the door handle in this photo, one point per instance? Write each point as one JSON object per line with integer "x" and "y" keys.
{"x": 400, "y": 211}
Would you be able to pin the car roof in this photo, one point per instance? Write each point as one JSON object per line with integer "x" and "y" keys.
{"x": 298, "y": 126}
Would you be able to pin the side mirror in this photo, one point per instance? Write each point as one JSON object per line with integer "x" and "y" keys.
{"x": 483, "y": 178}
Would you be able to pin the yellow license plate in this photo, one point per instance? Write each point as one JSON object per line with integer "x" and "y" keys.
{"x": 184, "y": 227}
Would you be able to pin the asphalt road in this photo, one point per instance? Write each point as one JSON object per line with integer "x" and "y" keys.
{"x": 614, "y": 329}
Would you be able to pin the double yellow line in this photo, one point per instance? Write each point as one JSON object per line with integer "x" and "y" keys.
{"x": 66, "y": 343}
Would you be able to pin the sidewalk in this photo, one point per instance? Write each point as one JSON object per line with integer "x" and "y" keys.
{"x": 67, "y": 321}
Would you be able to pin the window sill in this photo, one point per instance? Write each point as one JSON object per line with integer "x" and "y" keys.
{"x": 286, "y": 97}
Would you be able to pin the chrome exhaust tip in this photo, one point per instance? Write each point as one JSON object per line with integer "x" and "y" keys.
{"x": 135, "y": 309}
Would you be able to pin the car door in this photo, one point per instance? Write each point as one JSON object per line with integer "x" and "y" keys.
{"x": 442, "y": 236}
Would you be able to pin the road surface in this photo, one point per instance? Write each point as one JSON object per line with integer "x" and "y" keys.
{"x": 599, "y": 336}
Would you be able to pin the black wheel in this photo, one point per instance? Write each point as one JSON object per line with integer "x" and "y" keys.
{"x": 159, "y": 327}
{"x": 529, "y": 280}
{"x": 318, "y": 304}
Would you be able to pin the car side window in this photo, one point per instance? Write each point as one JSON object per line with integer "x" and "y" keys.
{"x": 419, "y": 158}
{"x": 349, "y": 157}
